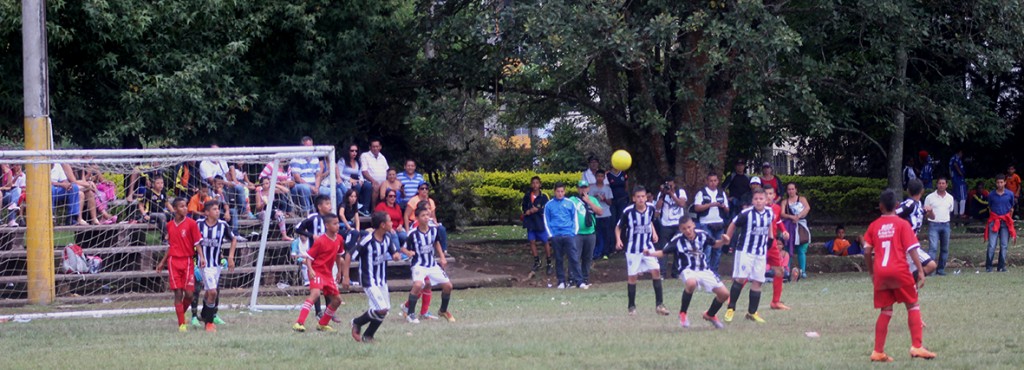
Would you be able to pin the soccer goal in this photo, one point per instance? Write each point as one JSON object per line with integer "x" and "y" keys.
{"x": 100, "y": 237}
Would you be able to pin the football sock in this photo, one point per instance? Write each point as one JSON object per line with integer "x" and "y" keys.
{"x": 372, "y": 329}
{"x": 657, "y": 292}
{"x": 536, "y": 260}
{"x": 777, "y": 289}
{"x": 179, "y": 310}
{"x": 686, "y": 301}
{"x": 631, "y": 290}
{"x": 185, "y": 302}
{"x": 207, "y": 313}
{"x": 734, "y": 294}
{"x": 445, "y": 297}
{"x": 755, "y": 300}
{"x": 362, "y": 319}
{"x": 425, "y": 297}
{"x": 715, "y": 306}
{"x": 411, "y": 309}
{"x": 326, "y": 318}
{"x": 881, "y": 330}
{"x": 304, "y": 312}
{"x": 916, "y": 325}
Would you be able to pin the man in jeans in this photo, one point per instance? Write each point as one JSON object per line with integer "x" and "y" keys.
{"x": 711, "y": 207}
{"x": 605, "y": 222}
{"x": 1000, "y": 223}
{"x": 937, "y": 207}
{"x": 562, "y": 224}
{"x": 587, "y": 210}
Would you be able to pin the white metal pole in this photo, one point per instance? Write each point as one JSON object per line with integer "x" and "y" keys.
{"x": 269, "y": 208}
{"x": 333, "y": 181}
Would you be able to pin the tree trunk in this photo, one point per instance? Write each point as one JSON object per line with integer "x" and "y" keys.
{"x": 899, "y": 126}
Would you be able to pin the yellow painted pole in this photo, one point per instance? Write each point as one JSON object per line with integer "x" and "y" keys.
{"x": 39, "y": 232}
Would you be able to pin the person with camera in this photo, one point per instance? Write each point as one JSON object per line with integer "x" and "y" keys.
{"x": 587, "y": 210}
{"x": 671, "y": 204}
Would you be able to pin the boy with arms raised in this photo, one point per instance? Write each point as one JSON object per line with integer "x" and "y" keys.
{"x": 183, "y": 237}
{"x": 422, "y": 246}
{"x": 694, "y": 269}
{"x": 326, "y": 251}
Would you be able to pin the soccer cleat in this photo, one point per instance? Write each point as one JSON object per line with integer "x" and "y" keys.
{"x": 218, "y": 321}
{"x": 921, "y": 353}
{"x": 713, "y": 320}
{"x": 429, "y": 316}
{"x": 298, "y": 327}
{"x": 728, "y": 314}
{"x": 755, "y": 318}
{"x": 326, "y": 328}
{"x": 183, "y": 328}
{"x": 661, "y": 310}
{"x": 447, "y": 316}
{"x": 196, "y": 322}
{"x": 211, "y": 327}
{"x": 355, "y": 332}
{"x": 632, "y": 310}
{"x": 779, "y": 306}
{"x": 561, "y": 285}
{"x": 412, "y": 319}
{"x": 369, "y": 340}
{"x": 880, "y": 357}
{"x": 683, "y": 321}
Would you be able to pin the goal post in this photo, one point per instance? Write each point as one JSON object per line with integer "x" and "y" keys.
{"x": 37, "y": 228}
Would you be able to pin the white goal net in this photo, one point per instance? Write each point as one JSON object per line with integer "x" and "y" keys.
{"x": 109, "y": 209}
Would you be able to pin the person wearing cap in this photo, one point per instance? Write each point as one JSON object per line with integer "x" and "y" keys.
{"x": 768, "y": 178}
{"x": 590, "y": 174}
{"x": 588, "y": 208}
{"x": 423, "y": 196}
{"x": 562, "y": 224}
{"x": 671, "y": 202}
{"x": 747, "y": 201}
{"x": 737, "y": 185}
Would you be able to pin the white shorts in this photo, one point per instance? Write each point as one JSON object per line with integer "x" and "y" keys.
{"x": 922, "y": 255}
{"x": 749, "y": 266}
{"x": 379, "y": 297}
{"x": 211, "y": 276}
{"x": 705, "y": 279}
{"x": 637, "y": 264}
{"x": 436, "y": 274}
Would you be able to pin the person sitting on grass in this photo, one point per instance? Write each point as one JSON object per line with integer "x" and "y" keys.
{"x": 840, "y": 246}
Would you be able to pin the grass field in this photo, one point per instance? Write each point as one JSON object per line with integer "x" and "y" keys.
{"x": 974, "y": 321}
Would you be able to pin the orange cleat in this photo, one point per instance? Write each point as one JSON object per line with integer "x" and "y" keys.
{"x": 921, "y": 353}
{"x": 211, "y": 328}
{"x": 880, "y": 357}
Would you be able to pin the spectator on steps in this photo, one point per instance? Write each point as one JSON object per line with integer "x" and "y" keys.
{"x": 198, "y": 200}
{"x": 155, "y": 207}
{"x": 348, "y": 211}
{"x": 375, "y": 169}
{"x": 399, "y": 225}
{"x": 234, "y": 192}
{"x": 13, "y": 186}
{"x": 410, "y": 181}
{"x": 277, "y": 210}
{"x": 391, "y": 182}
{"x": 351, "y": 170}
{"x": 307, "y": 173}
{"x": 283, "y": 187}
{"x": 65, "y": 193}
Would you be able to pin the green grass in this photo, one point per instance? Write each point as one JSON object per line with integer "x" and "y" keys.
{"x": 972, "y": 323}
{"x": 502, "y": 232}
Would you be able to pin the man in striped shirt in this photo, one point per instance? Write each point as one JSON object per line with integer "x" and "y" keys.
{"x": 411, "y": 180}
{"x": 326, "y": 253}
{"x": 751, "y": 261}
{"x": 421, "y": 246}
{"x": 638, "y": 220}
{"x": 693, "y": 267}
{"x": 213, "y": 231}
{"x": 373, "y": 251}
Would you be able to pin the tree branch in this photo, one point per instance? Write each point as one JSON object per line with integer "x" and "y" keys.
{"x": 885, "y": 154}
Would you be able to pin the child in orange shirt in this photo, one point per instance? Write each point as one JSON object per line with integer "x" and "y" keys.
{"x": 195, "y": 205}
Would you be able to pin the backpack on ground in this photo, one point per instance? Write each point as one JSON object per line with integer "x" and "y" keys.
{"x": 75, "y": 261}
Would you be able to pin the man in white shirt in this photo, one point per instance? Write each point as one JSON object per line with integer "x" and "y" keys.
{"x": 937, "y": 207}
{"x": 209, "y": 170}
{"x": 375, "y": 168}
{"x": 66, "y": 191}
{"x": 671, "y": 205}
{"x": 710, "y": 204}
{"x": 590, "y": 174}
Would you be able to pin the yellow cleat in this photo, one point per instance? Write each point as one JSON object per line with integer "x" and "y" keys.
{"x": 880, "y": 357}
{"x": 298, "y": 327}
{"x": 447, "y": 316}
{"x": 755, "y": 318}
{"x": 728, "y": 315}
{"x": 921, "y": 353}
{"x": 183, "y": 328}
{"x": 326, "y": 328}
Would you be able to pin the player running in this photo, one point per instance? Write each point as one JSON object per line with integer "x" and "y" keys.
{"x": 372, "y": 251}
{"x": 326, "y": 252}
{"x": 774, "y": 255}
{"x": 213, "y": 231}
{"x": 750, "y": 260}
{"x": 422, "y": 246}
{"x": 183, "y": 237}
{"x": 892, "y": 239}
{"x": 639, "y": 219}
{"x": 694, "y": 270}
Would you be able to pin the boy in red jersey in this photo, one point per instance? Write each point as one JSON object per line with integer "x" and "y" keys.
{"x": 774, "y": 256}
{"x": 892, "y": 237}
{"x": 183, "y": 237}
{"x": 325, "y": 252}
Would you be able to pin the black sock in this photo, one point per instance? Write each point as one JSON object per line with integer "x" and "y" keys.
{"x": 319, "y": 311}
{"x": 362, "y": 319}
{"x": 755, "y": 299}
{"x": 631, "y": 289}
{"x": 686, "y": 301}
{"x": 536, "y": 260}
{"x": 548, "y": 259}
{"x": 195, "y": 299}
{"x": 445, "y": 297}
{"x": 412, "y": 304}
{"x": 207, "y": 313}
{"x": 657, "y": 292}
{"x": 372, "y": 329}
{"x": 734, "y": 294}
{"x": 715, "y": 306}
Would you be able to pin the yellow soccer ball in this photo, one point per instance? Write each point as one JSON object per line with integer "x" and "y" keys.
{"x": 621, "y": 160}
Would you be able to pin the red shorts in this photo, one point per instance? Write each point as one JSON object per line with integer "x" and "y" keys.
{"x": 326, "y": 284}
{"x": 774, "y": 256}
{"x": 889, "y": 297}
{"x": 181, "y": 273}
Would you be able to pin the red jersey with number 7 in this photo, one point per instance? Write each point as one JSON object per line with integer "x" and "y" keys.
{"x": 891, "y": 238}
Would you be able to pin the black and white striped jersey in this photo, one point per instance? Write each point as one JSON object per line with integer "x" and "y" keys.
{"x": 423, "y": 244}
{"x": 213, "y": 239}
{"x": 639, "y": 225}
{"x": 912, "y": 211}
{"x": 312, "y": 227}
{"x": 757, "y": 230}
{"x": 373, "y": 256}
{"x": 690, "y": 253}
